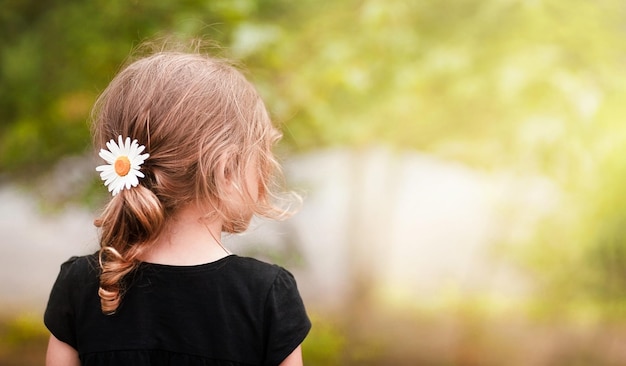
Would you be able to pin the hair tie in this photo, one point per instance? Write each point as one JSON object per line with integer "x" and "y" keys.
{"x": 124, "y": 161}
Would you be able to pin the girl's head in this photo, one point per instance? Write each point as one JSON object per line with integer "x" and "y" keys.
{"x": 209, "y": 138}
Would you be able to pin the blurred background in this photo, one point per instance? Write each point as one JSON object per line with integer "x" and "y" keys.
{"x": 462, "y": 163}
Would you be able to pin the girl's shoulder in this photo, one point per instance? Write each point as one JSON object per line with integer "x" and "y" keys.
{"x": 257, "y": 267}
{"x": 253, "y": 263}
{"x": 79, "y": 266}
{"x": 263, "y": 273}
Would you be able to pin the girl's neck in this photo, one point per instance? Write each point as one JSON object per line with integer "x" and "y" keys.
{"x": 187, "y": 239}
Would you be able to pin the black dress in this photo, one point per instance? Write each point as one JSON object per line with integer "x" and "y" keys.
{"x": 235, "y": 311}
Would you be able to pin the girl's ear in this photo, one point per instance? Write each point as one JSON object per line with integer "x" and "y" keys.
{"x": 225, "y": 174}
{"x": 222, "y": 173}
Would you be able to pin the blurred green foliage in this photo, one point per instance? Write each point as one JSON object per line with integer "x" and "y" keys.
{"x": 532, "y": 86}
{"x": 325, "y": 343}
{"x": 56, "y": 56}
{"x": 492, "y": 82}
{"x": 23, "y": 340}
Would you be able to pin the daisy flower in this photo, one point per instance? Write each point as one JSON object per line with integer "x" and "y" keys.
{"x": 124, "y": 161}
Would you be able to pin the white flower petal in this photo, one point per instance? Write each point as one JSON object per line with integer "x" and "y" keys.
{"x": 113, "y": 148}
{"x": 110, "y": 172}
{"x": 108, "y": 177}
{"x": 111, "y": 181}
{"x": 108, "y": 156}
{"x": 126, "y": 146}
{"x": 133, "y": 147}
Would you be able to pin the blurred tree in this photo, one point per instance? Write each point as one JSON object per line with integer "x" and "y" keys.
{"x": 486, "y": 82}
{"x": 535, "y": 86}
{"x": 57, "y": 56}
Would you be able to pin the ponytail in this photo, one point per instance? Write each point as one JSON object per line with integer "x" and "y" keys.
{"x": 130, "y": 221}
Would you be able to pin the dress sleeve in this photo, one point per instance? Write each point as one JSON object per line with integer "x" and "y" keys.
{"x": 59, "y": 316}
{"x": 287, "y": 321}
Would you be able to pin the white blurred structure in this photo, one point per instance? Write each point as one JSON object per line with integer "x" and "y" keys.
{"x": 408, "y": 226}
{"x": 33, "y": 246}
{"x": 405, "y": 225}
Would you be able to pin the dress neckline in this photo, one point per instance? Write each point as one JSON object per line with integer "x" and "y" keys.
{"x": 190, "y": 267}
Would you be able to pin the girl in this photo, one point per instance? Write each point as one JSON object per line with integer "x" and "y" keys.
{"x": 186, "y": 140}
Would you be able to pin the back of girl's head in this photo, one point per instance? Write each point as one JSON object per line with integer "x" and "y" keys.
{"x": 202, "y": 124}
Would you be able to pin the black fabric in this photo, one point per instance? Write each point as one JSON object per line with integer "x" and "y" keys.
{"x": 235, "y": 311}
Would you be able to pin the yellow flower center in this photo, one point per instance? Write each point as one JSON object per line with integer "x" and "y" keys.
{"x": 122, "y": 166}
